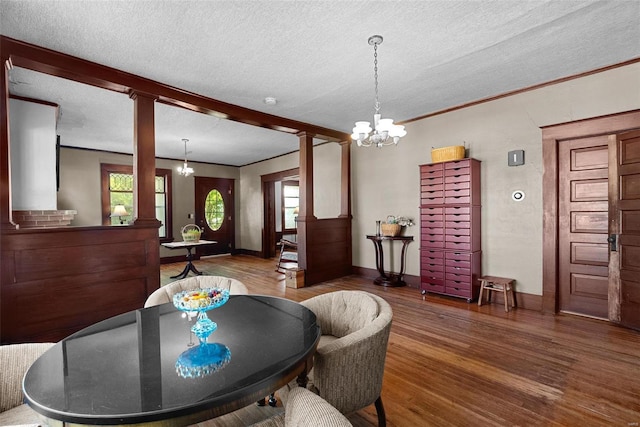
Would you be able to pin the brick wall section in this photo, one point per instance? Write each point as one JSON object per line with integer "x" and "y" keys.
{"x": 44, "y": 219}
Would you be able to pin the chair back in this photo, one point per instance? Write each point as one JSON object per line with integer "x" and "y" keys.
{"x": 15, "y": 360}
{"x": 348, "y": 370}
{"x": 165, "y": 293}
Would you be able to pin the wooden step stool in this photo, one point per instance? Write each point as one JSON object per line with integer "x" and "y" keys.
{"x": 502, "y": 284}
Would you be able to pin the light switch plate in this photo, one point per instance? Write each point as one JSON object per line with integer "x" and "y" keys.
{"x": 516, "y": 157}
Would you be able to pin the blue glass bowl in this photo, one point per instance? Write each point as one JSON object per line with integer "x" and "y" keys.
{"x": 200, "y": 301}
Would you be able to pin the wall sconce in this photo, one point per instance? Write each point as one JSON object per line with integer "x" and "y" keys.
{"x": 119, "y": 211}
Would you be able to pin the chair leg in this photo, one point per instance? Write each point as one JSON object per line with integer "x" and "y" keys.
{"x": 382, "y": 419}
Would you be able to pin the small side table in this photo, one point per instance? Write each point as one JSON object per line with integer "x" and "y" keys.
{"x": 501, "y": 284}
{"x": 390, "y": 278}
{"x": 188, "y": 246}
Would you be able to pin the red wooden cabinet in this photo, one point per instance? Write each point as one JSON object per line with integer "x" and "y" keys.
{"x": 450, "y": 237}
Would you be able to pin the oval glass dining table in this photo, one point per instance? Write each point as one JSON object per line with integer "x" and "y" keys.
{"x": 146, "y": 367}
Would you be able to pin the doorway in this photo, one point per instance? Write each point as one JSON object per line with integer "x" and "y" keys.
{"x": 270, "y": 233}
{"x": 583, "y": 192}
{"x": 214, "y": 214}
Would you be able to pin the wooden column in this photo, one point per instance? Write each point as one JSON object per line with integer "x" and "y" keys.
{"x": 5, "y": 157}
{"x": 144, "y": 159}
{"x": 306, "y": 196}
{"x": 345, "y": 180}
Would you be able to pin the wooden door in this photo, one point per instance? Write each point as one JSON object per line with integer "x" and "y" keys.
{"x": 583, "y": 226}
{"x": 624, "y": 212}
{"x": 214, "y": 213}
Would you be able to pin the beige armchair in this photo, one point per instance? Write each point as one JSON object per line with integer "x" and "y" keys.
{"x": 306, "y": 409}
{"x": 165, "y": 293}
{"x": 349, "y": 361}
{"x": 15, "y": 360}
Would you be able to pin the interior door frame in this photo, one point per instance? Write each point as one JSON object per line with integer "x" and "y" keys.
{"x": 552, "y": 136}
{"x": 268, "y": 225}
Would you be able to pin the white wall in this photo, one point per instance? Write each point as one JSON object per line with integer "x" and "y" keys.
{"x": 387, "y": 181}
{"x": 326, "y": 192}
{"x": 33, "y": 155}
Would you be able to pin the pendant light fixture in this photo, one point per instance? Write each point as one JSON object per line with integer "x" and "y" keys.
{"x": 185, "y": 170}
{"x": 385, "y": 132}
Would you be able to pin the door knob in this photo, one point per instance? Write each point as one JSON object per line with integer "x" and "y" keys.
{"x": 613, "y": 242}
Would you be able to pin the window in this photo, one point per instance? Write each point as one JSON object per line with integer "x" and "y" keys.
{"x": 117, "y": 189}
{"x": 290, "y": 205}
{"x": 214, "y": 210}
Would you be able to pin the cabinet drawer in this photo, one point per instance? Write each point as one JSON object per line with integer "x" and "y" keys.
{"x": 430, "y": 194}
{"x": 457, "y": 224}
{"x": 457, "y": 193}
{"x": 431, "y": 243}
{"x": 458, "y": 277}
{"x": 431, "y": 174}
{"x": 432, "y": 286}
{"x": 458, "y": 256}
{"x": 458, "y": 264}
{"x": 427, "y": 262}
{"x": 457, "y": 210}
{"x": 458, "y": 246}
{"x": 457, "y": 164}
{"x": 457, "y": 271}
{"x": 455, "y": 179}
{"x": 431, "y": 186}
{"x": 457, "y": 238}
{"x": 432, "y": 237}
{"x": 458, "y": 291}
{"x": 431, "y": 211}
{"x": 457, "y": 200}
{"x": 432, "y": 254}
{"x": 458, "y": 217}
{"x": 457, "y": 185}
{"x": 432, "y": 225}
{"x": 432, "y": 201}
{"x": 457, "y": 172}
{"x": 432, "y": 270}
{"x": 428, "y": 230}
{"x": 459, "y": 231}
{"x": 431, "y": 167}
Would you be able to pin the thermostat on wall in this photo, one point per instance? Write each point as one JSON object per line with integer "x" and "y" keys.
{"x": 517, "y": 195}
{"x": 516, "y": 158}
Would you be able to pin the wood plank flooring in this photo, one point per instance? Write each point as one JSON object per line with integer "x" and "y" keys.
{"x": 450, "y": 363}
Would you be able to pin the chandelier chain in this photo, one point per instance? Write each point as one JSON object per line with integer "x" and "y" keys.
{"x": 375, "y": 74}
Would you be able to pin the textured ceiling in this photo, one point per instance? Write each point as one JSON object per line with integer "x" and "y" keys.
{"x": 312, "y": 56}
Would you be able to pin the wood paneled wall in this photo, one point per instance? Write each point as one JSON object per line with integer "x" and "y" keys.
{"x": 58, "y": 281}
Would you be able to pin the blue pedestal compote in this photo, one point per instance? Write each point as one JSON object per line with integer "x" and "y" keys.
{"x": 200, "y": 301}
{"x": 202, "y": 360}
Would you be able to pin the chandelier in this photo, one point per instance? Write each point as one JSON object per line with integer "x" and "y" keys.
{"x": 385, "y": 132}
{"x": 185, "y": 170}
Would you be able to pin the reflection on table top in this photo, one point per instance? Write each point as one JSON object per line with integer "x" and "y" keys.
{"x": 124, "y": 369}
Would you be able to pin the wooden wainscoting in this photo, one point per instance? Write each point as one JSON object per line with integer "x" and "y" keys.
{"x": 58, "y": 281}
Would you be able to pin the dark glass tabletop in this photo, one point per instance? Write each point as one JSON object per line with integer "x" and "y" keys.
{"x": 146, "y": 365}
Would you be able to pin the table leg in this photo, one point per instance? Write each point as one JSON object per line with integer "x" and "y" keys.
{"x": 189, "y": 267}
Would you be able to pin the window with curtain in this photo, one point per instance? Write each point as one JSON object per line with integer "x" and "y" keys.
{"x": 117, "y": 190}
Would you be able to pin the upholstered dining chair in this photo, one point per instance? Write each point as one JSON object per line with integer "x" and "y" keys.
{"x": 15, "y": 360}
{"x": 165, "y": 293}
{"x": 349, "y": 362}
{"x": 306, "y": 409}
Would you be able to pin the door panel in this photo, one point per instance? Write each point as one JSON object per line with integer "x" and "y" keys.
{"x": 215, "y": 217}
{"x": 583, "y": 211}
{"x": 624, "y": 211}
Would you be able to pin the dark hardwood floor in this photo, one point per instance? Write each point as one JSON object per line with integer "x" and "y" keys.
{"x": 450, "y": 363}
